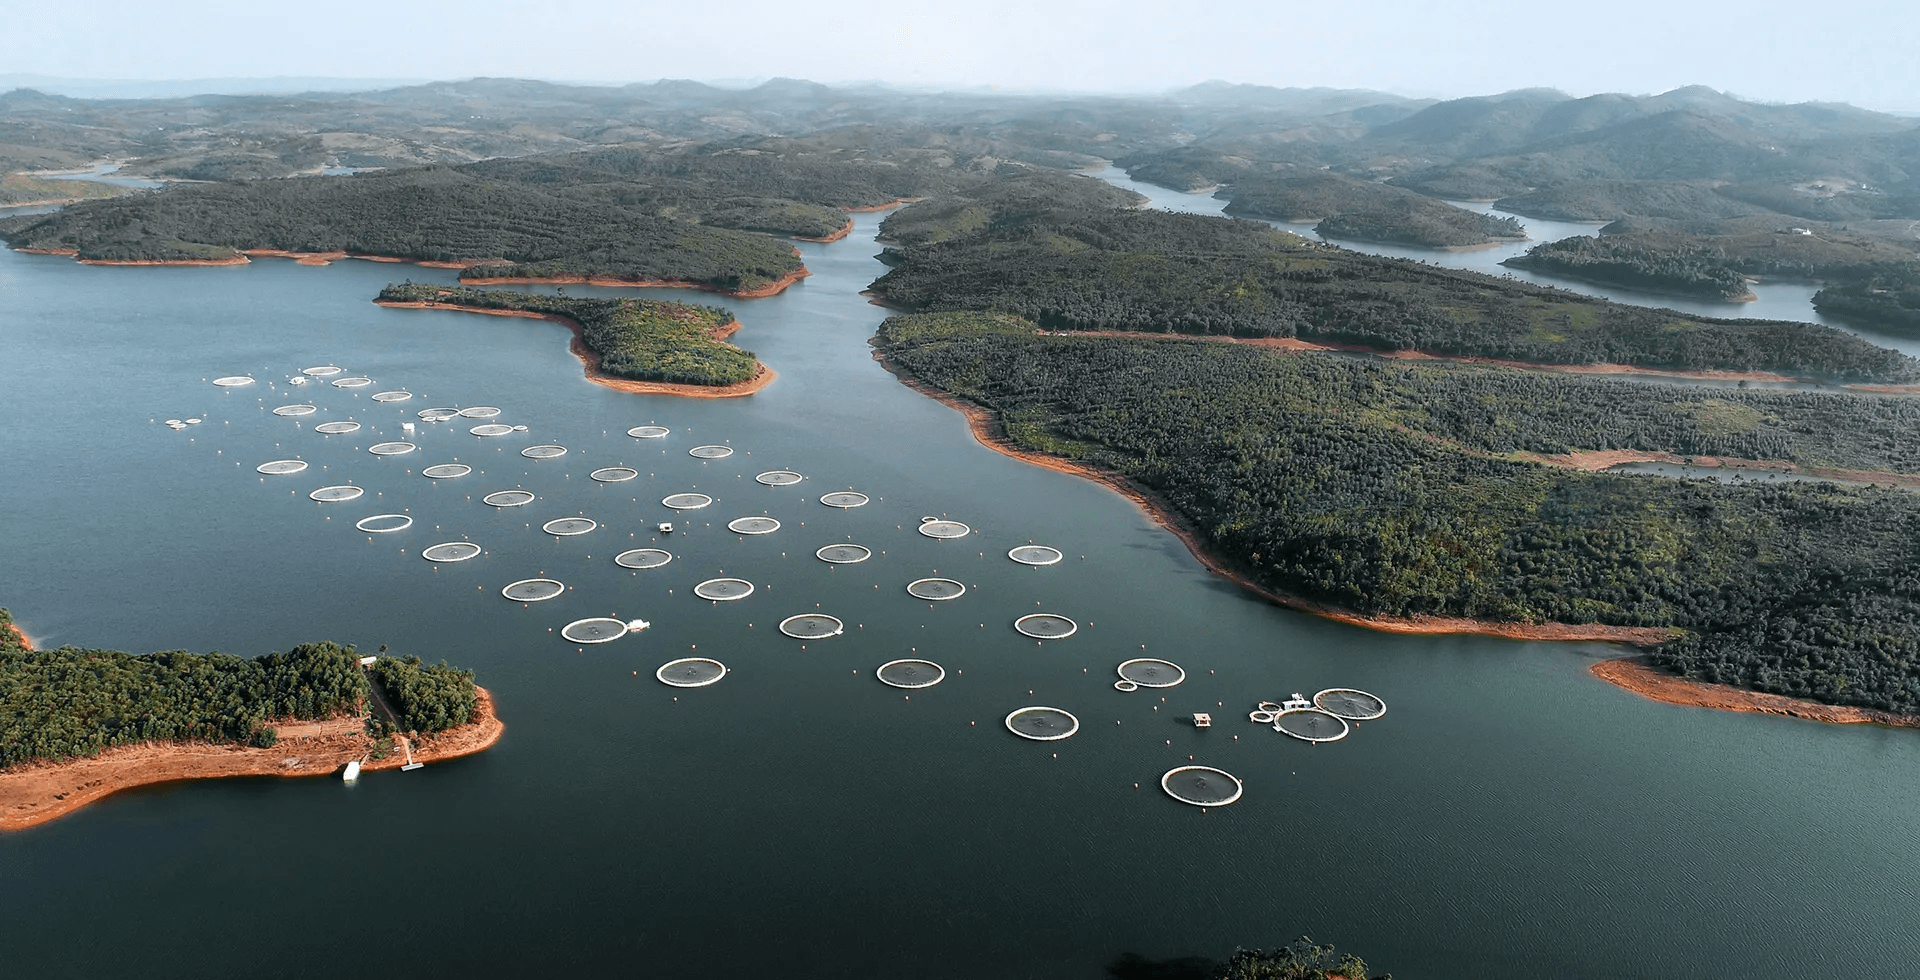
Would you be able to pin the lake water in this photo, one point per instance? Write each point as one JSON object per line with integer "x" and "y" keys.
{"x": 1509, "y": 817}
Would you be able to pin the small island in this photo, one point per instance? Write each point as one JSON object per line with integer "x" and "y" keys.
{"x": 1698, "y": 271}
{"x": 85, "y": 724}
{"x": 638, "y": 345}
{"x": 1365, "y": 210}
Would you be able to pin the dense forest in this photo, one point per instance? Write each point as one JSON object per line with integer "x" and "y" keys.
{"x": 1889, "y": 299}
{"x": 1176, "y": 273}
{"x": 1302, "y": 470}
{"x": 1700, "y": 270}
{"x": 23, "y": 188}
{"x": 427, "y": 698}
{"x": 646, "y": 340}
{"x": 1011, "y": 197}
{"x": 1366, "y": 210}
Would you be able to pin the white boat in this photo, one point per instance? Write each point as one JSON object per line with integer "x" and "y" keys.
{"x": 352, "y": 774}
{"x": 297, "y": 381}
{"x": 666, "y": 527}
{"x": 635, "y": 626}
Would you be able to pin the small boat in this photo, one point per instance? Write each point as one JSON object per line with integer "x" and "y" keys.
{"x": 352, "y": 773}
{"x": 636, "y": 625}
{"x": 666, "y": 527}
{"x": 297, "y": 381}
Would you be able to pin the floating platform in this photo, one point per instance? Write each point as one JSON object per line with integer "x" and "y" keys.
{"x": 451, "y": 551}
{"x": 393, "y": 396}
{"x": 1201, "y": 785}
{"x": 1036, "y": 554}
{"x": 355, "y": 382}
{"x": 391, "y": 448}
{"x": 691, "y": 672}
{"x": 1352, "y": 705}
{"x": 533, "y": 589}
{"x": 778, "y": 478}
{"x": 566, "y": 527}
{"x": 480, "y": 412}
{"x": 724, "y": 589}
{"x": 446, "y": 471}
{"x": 711, "y": 452}
{"x": 649, "y": 431}
{"x": 336, "y": 428}
{"x": 936, "y": 589}
{"x": 282, "y": 467}
{"x": 1310, "y": 725}
{"x": 812, "y": 626}
{"x": 295, "y": 411}
{"x": 753, "y": 525}
{"x": 437, "y": 414}
{"x": 844, "y": 554}
{"x": 486, "y": 429}
{"x": 613, "y": 474}
{"x": 508, "y": 498}
{"x": 642, "y": 558}
{"x": 844, "y": 499}
{"x": 944, "y": 529}
{"x": 1042, "y": 724}
{"x": 233, "y": 381}
{"x": 544, "y": 452}
{"x": 323, "y": 371}
{"x": 686, "y": 501}
{"x": 1151, "y": 672}
{"x": 911, "y": 674}
{"x": 335, "y": 494}
{"x": 383, "y": 523}
{"x": 1046, "y": 626}
{"x": 598, "y": 629}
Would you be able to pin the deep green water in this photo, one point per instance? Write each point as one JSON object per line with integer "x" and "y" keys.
{"x": 1510, "y": 817}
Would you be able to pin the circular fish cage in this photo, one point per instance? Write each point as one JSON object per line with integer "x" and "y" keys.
{"x": 1150, "y": 672}
{"x": 944, "y": 529}
{"x": 533, "y": 589}
{"x": 336, "y": 428}
{"x": 1310, "y": 725}
{"x": 491, "y": 429}
{"x": 336, "y": 493}
{"x": 812, "y": 626}
{"x": 233, "y": 381}
{"x": 844, "y": 554}
{"x": 1125, "y": 685}
{"x": 686, "y": 501}
{"x": 544, "y": 452}
{"x": 323, "y": 371}
{"x": 383, "y": 523}
{"x": 911, "y": 674}
{"x": 508, "y": 498}
{"x": 480, "y": 412}
{"x": 1036, "y": 554}
{"x": 446, "y": 471}
{"x": 691, "y": 672}
{"x": 451, "y": 551}
{"x": 393, "y": 396}
{"x": 778, "y": 478}
{"x": 724, "y": 589}
{"x": 642, "y": 558}
{"x": 296, "y": 411}
{"x": 613, "y": 474}
{"x": 437, "y": 414}
{"x": 1349, "y": 704}
{"x": 598, "y": 629}
{"x": 1201, "y": 785}
{"x": 1046, "y": 626}
{"x": 753, "y": 525}
{"x": 391, "y": 448}
{"x": 355, "y": 382}
{"x": 282, "y": 467}
{"x": 844, "y": 499}
{"x": 1042, "y": 724}
{"x": 936, "y": 589}
{"x": 566, "y": 527}
{"x": 649, "y": 431}
{"x": 710, "y": 452}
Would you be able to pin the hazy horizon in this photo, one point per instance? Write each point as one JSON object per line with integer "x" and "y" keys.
{"x": 1854, "y": 52}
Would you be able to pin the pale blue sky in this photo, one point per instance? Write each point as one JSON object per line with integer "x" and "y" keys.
{"x": 1860, "y": 51}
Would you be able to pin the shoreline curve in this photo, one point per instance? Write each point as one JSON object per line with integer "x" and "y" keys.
{"x": 1635, "y": 674}
{"x": 35, "y": 793}
{"x": 591, "y": 361}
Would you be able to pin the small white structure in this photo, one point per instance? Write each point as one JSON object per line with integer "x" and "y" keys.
{"x": 352, "y": 773}
{"x": 1202, "y": 720}
{"x": 367, "y": 661}
{"x": 636, "y": 625}
{"x": 666, "y": 527}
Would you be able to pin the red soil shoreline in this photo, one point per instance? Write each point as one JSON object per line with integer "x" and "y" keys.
{"x": 35, "y": 793}
{"x": 845, "y": 230}
{"x": 773, "y": 288}
{"x": 1636, "y": 675}
{"x": 25, "y": 640}
{"x": 764, "y": 377}
{"x": 890, "y": 205}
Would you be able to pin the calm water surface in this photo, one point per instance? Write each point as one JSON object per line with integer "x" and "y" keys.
{"x": 1510, "y": 817}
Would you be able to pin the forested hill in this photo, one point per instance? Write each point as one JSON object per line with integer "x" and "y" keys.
{"x": 1177, "y": 273}
{"x": 1403, "y": 489}
{"x": 1347, "y": 207}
